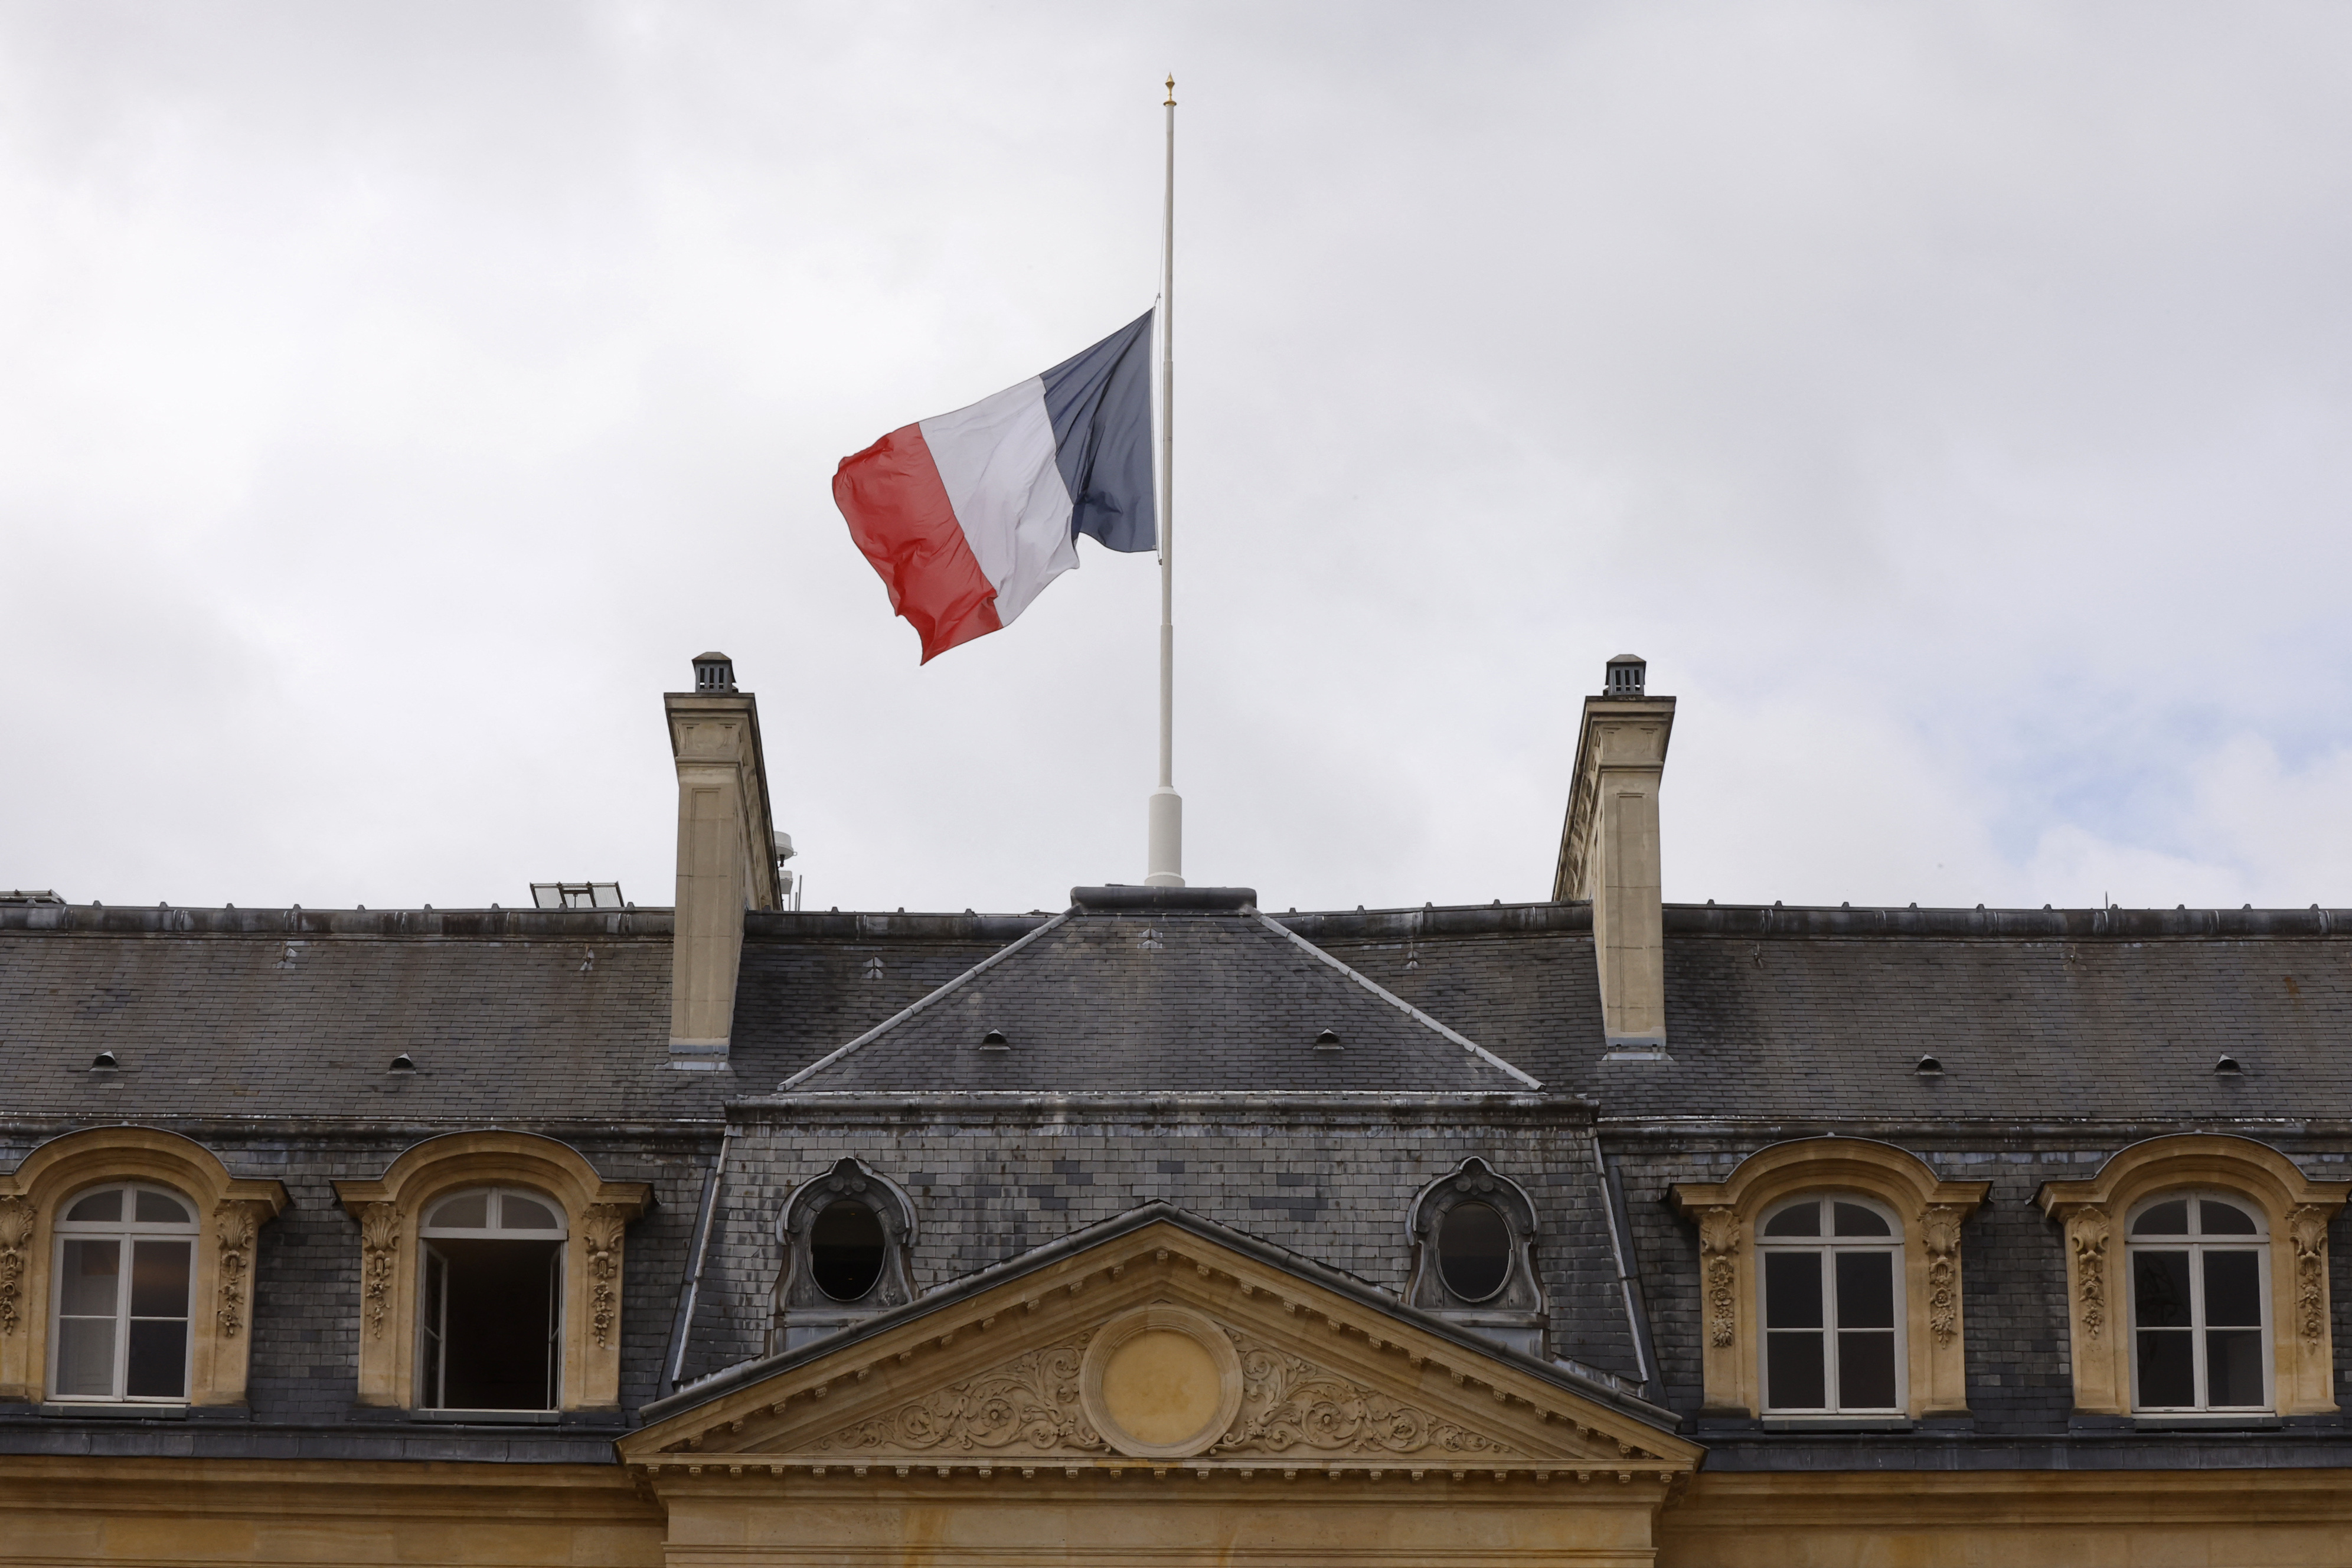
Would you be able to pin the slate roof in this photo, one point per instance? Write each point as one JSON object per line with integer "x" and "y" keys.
{"x": 1127, "y": 994}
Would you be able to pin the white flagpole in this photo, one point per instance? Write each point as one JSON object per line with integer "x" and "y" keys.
{"x": 1166, "y": 856}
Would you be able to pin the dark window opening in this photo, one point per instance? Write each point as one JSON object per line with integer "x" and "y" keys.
{"x": 845, "y": 1251}
{"x": 1474, "y": 1251}
{"x": 493, "y": 1313}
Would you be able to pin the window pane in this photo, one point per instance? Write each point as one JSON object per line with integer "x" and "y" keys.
{"x": 1866, "y": 1291}
{"x": 469, "y": 1211}
{"x": 2234, "y": 1290}
{"x": 92, "y": 1285}
{"x": 1792, "y": 1290}
{"x": 518, "y": 1213}
{"x": 2234, "y": 1367}
{"x": 2164, "y": 1219}
{"x": 2166, "y": 1370}
{"x": 1794, "y": 1376}
{"x": 1853, "y": 1219}
{"x": 105, "y": 1206}
{"x": 159, "y": 1281}
{"x": 1474, "y": 1251}
{"x": 159, "y": 1209}
{"x": 1865, "y": 1369}
{"x": 86, "y": 1357}
{"x": 159, "y": 1359}
{"x": 2160, "y": 1289}
{"x": 1797, "y": 1219}
{"x": 2225, "y": 1219}
{"x": 846, "y": 1250}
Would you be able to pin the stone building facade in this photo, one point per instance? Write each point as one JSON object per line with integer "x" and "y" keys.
{"x": 1167, "y": 1228}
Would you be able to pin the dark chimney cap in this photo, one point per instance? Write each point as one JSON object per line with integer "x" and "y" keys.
{"x": 1625, "y": 675}
{"x": 713, "y": 672}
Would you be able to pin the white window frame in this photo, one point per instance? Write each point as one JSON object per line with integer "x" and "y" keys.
{"x": 2197, "y": 1245}
{"x": 1825, "y": 1247}
{"x": 432, "y": 1317}
{"x": 125, "y": 1232}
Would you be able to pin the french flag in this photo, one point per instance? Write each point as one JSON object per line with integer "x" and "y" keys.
{"x": 968, "y": 515}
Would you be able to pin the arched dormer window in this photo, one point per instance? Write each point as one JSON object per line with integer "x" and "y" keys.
{"x": 1820, "y": 1259}
{"x": 1474, "y": 1234}
{"x": 2170, "y": 1249}
{"x": 845, "y": 1238}
{"x": 1832, "y": 1286}
{"x": 125, "y": 1265}
{"x": 490, "y": 1326}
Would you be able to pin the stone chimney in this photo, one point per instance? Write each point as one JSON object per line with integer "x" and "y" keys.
{"x": 726, "y": 855}
{"x": 1609, "y": 853}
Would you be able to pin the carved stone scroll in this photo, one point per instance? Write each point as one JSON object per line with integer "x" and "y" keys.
{"x": 1290, "y": 1402}
{"x": 1940, "y": 1234}
{"x": 602, "y": 1236}
{"x": 232, "y": 1227}
{"x": 16, "y": 1234}
{"x": 1029, "y": 1402}
{"x": 1718, "y": 1243}
{"x": 2086, "y": 1237}
{"x": 2307, "y": 1228}
{"x": 379, "y": 1247}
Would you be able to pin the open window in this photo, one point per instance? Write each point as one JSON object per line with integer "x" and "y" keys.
{"x": 490, "y": 1324}
{"x": 125, "y": 1272}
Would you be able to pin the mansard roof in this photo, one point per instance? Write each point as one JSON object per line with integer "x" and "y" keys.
{"x": 1134, "y": 991}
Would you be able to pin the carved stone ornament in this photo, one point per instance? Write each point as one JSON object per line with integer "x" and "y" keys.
{"x": 1029, "y": 1402}
{"x": 2086, "y": 1236}
{"x": 602, "y": 1236}
{"x": 1290, "y": 1402}
{"x": 15, "y": 1232}
{"x": 232, "y": 1227}
{"x": 1941, "y": 1234}
{"x": 379, "y": 1246}
{"x": 2307, "y": 1228}
{"x": 1718, "y": 1243}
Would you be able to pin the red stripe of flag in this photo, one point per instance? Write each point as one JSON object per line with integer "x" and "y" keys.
{"x": 899, "y": 515}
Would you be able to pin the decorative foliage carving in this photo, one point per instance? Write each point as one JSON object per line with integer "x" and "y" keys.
{"x": 602, "y": 1236}
{"x": 2087, "y": 1235}
{"x": 1290, "y": 1402}
{"x": 15, "y": 1232}
{"x": 1718, "y": 1244}
{"x": 1030, "y": 1401}
{"x": 1940, "y": 1233}
{"x": 2307, "y": 1228}
{"x": 232, "y": 1227}
{"x": 379, "y": 1244}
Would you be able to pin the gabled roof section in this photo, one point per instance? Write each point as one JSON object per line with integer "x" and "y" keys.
{"x": 1519, "y": 1408}
{"x": 1151, "y": 990}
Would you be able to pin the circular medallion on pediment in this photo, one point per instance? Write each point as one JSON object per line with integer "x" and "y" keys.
{"x": 1161, "y": 1383}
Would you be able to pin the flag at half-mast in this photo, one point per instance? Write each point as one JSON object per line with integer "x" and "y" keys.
{"x": 967, "y": 515}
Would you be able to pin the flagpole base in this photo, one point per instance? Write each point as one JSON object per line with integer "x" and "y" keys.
{"x": 1166, "y": 856}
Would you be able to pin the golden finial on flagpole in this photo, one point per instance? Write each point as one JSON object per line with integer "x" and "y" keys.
{"x": 1172, "y": 93}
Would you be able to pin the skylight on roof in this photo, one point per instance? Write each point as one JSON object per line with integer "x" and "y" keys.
{"x": 576, "y": 895}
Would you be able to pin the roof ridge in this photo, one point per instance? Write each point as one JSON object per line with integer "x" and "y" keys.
{"x": 921, "y": 1005}
{"x": 1393, "y": 1000}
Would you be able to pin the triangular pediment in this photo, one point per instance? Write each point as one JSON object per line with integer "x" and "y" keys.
{"x": 1159, "y": 1344}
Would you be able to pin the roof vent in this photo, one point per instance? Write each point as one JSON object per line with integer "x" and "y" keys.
{"x": 713, "y": 672}
{"x": 994, "y": 1041}
{"x": 2228, "y": 1064}
{"x": 403, "y": 1062}
{"x": 1929, "y": 1066}
{"x": 1328, "y": 1040}
{"x": 103, "y": 1062}
{"x": 1625, "y": 675}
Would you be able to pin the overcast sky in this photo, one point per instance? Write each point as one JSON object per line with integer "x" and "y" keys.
{"x": 1948, "y": 401}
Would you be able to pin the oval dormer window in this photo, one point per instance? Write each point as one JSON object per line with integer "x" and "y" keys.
{"x": 1474, "y": 1251}
{"x": 845, "y": 1246}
